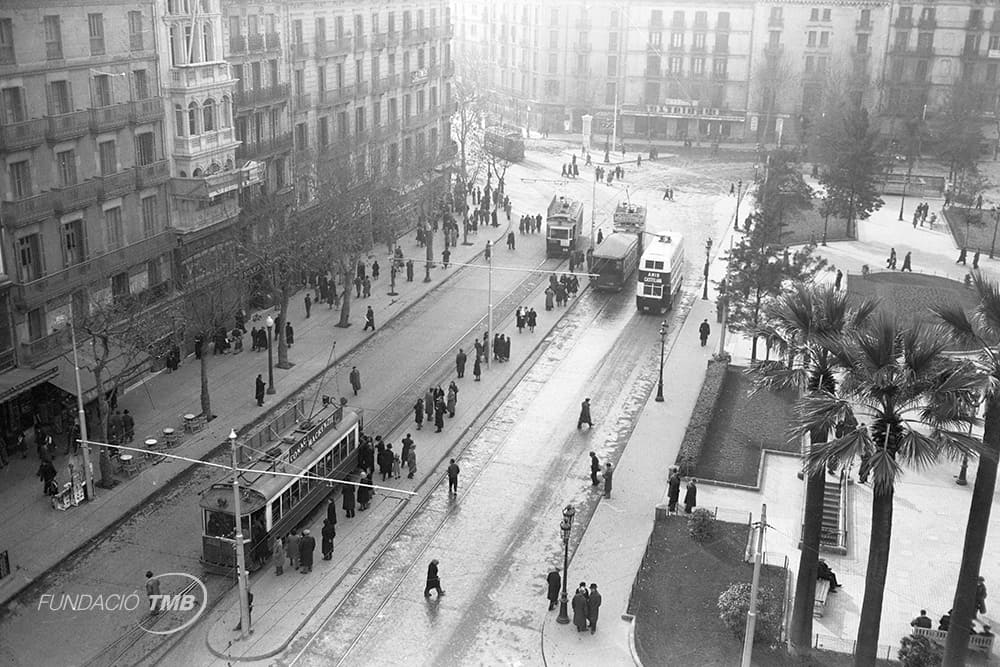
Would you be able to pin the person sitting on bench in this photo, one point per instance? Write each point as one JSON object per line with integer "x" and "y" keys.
{"x": 945, "y": 622}
{"x": 986, "y": 631}
{"x": 823, "y": 571}
{"x": 922, "y": 621}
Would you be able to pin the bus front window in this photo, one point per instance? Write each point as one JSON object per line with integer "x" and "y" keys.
{"x": 219, "y": 524}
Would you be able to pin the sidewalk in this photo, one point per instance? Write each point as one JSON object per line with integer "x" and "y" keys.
{"x": 38, "y": 537}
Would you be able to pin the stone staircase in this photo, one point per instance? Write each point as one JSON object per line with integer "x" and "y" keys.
{"x": 834, "y": 534}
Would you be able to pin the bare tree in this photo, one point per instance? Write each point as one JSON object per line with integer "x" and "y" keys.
{"x": 773, "y": 78}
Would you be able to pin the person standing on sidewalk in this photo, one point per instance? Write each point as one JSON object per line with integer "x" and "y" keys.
{"x": 593, "y": 607}
{"x": 366, "y": 287}
{"x": 673, "y": 491}
{"x": 975, "y": 259}
{"x": 348, "y": 490}
{"x": 278, "y": 556}
{"x": 890, "y": 263}
{"x": 445, "y": 257}
{"x": 962, "y": 255}
{"x": 292, "y": 549}
{"x": 554, "y": 581}
{"x": 460, "y": 360}
{"x": 418, "y": 415}
{"x": 453, "y": 471}
{"x": 375, "y": 270}
{"x": 407, "y": 445}
{"x": 703, "y": 331}
{"x": 153, "y": 589}
{"x": 258, "y": 390}
{"x": 307, "y": 546}
{"x": 608, "y": 474}
{"x": 411, "y": 462}
{"x": 329, "y": 532}
{"x": 595, "y": 467}
{"x": 691, "y": 496}
{"x": 433, "y": 580}
{"x": 452, "y": 400}
{"x": 532, "y": 320}
{"x": 477, "y": 368}
{"x": 309, "y": 303}
{"x": 355, "y": 379}
{"x": 906, "y": 263}
{"x": 580, "y": 607}
{"x": 409, "y": 270}
{"x": 584, "y": 415}
{"x": 370, "y": 319}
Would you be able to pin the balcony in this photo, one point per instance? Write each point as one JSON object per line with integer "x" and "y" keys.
{"x": 186, "y": 76}
{"x": 863, "y": 26}
{"x": 654, "y": 72}
{"x": 773, "y": 50}
{"x": 237, "y": 44}
{"x": 334, "y": 47}
{"x": 23, "y": 135}
{"x": 675, "y": 48}
{"x": 415, "y": 36}
{"x": 775, "y": 22}
{"x": 720, "y": 76}
{"x": 380, "y": 41}
{"x": 279, "y": 144}
{"x": 975, "y": 23}
{"x": 154, "y": 173}
{"x": 255, "y": 42}
{"x": 68, "y": 125}
{"x": 202, "y": 218}
{"x": 303, "y": 101}
{"x": 110, "y": 117}
{"x": 924, "y": 50}
{"x": 30, "y": 209}
{"x": 417, "y": 77}
{"x": 721, "y": 49}
{"x": 199, "y": 143}
{"x": 341, "y": 95}
{"x": 76, "y": 196}
{"x": 300, "y": 51}
{"x": 118, "y": 184}
{"x": 272, "y": 41}
{"x": 386, "y": 83}
{"x": 583, "y": 48}
{"x": 927, "y": 24}
{"x": 903, "y": 22}
{"x": 261, "y": 96}
{"x": 360, "y": 43}
{"x": 36, "y": 352}
{"x": 859, "y": 52}
{"x": 146, "y": 111}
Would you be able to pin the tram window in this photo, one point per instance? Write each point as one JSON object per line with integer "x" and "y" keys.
{"x": 286, "y": 500}
{"x": 652, "y": 290}
{"x": 329, "y": 464}
{"x": 275, "y": 511}
{"x": 294, "y": 498}
{"x": 352, "y": 441}
{"x": 303, "y": 486}
{"x": 219, "y": 524}
{"x": 559, "y": 233}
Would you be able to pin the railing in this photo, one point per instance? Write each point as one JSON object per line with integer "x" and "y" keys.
{"x": 923, "y": 50}
{"x": 249, "y": 98}
{"x": 272, "y": 40}
{"x": 360, "y": 42}
{"x": 110, "y": 117}
{"x": 387, "y": 83}
{"x": 379, "y": 40}
{"x": 192, "y": 221}
{"x": 303, "y": 100}
{"x": 863, "y": 26}
{"x": 117, "y": 184}
{"x": 29, "y": 209}
{"x": 300, "y": 50}
{"x": 927, "y": 24}
{"x": 193, "y": 75}
{"x": 415, "y": 36}
{"x": 237, "y": 44}
{"x": 24, "y": 134}
{"x": 417, "y": 77}
{"x": 259, "y": 440}
{"x": 676, "y": 48}
{"x": 147, "y": 110}
{"x": 903, "y": 22}
{"x": 254, "y": 149}
{"x": 200, "y": 142}
{"x": 68, "y": 125}
{"x": 583, "y": 48}
{"x": 721, "y": 49}
{"x": 154, "y": 173}
{"x": 334, "y": 47}
{"x": 861, "y": 52}
{"x": 76, "y": 196}
{"x": 974, "y": 23}
{"x": 255, "y": 42}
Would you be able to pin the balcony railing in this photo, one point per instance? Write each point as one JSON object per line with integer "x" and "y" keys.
{"x": 583, "y": 48}
{"x": 198, "y": 219}
{"x": 905, "y": 22}
{"x": 925, "y": 49}
{"x": 721, "y": 49}
{"x": 272, "y": 40}
{"x": 278, "y": 144}
{"x": 861, "y": 52}
{"x": 29, "y": 209}
{"x": 237, "y": 44}
{"x": 300, "y": 50}
{"x": 332, "y": 47}
{"x": 201, "y": 142}
{"x": 76, "y": 196}
{"x": 863, "y": 26}
{"x": 927, "y": 24}
{"x": 24, "y": 134}
{"x": 68, "y": 125}
{"x": 146, "y": 111}
{"x": 360, "y": 42}
{"x": 974, "y": 23}
{"x": 117, "y": 184}
{"x": 386, "y": 83}
{"x": 379, "y": 41}
{"x": 268, "y": 95}
{"x": 415, "y": 36}
{"x": 110, "y": 117}
{"x": 255, "y": 42}
{"x": 654, "y": 72}
{"x": 154, "y": 173}
{"x": 417, "y": 77}
{"x": 182, "y": 76}
{"x": 303, "y": 101}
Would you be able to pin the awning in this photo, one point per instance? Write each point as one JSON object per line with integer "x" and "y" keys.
{"x": 18, "y": 380}
{"x": 115, "y": 373}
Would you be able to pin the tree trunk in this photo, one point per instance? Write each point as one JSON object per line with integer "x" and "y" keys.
{"x": 800, "y": 632}
{"x": 283, "y": 297}
{"x": 878, "y": 565}
{"x": 963, "y": 609}
{"x": 206, "y": 401}
{"x": 345, "y": 304}
{"x": 103, "y": 412}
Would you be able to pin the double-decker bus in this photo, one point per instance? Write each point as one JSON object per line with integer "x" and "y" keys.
{"x": 504, "y": 142}
{"x": 563, "y": 224}
{"x": 661, "y": 272}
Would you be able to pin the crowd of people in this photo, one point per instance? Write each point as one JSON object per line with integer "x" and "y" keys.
{"x": 944, "y": 623}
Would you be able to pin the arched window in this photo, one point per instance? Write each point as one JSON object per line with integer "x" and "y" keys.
{"x": 183, "y": 174}
{"x": 208, "y": 43}
{"x": 208, "y": 115}
{"x": 197, "y": 173}
{"x": 226, "y": 113}
{"x": 214, "y": 168}
{"x": 192, "y": 119}
{"x": 179, "y": 120}
{"x": 229, "y": 165}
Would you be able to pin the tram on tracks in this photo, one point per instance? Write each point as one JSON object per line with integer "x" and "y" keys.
{"x": 563, "y": 226}
{"x": 325, "y": 446}
{"x": 661, "y": 272}
{"x": 504, "y": 142}
{"x": 614, "y": 261}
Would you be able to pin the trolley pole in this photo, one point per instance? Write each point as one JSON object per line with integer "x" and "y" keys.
{"x": 752, "y": 613}
{"x": 489, "y": 307}
{"x": 241, "y": 569}
{"x": 88, "y": 473}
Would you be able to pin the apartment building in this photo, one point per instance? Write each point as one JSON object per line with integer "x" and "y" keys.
{"x": 84, "y": 193}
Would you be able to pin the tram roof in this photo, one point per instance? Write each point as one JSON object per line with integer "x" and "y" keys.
{"x": 662, "y": 246}
{"x": 564, "y": 207}
{"x": 615, "y": 245}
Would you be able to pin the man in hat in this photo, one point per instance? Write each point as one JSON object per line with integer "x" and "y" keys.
{"x": 593, "y": 607}
{"x": 584, "y": 414}
{"x": 307, "y": 545}
{"x": 433, "y": 580}
{"x": 555, "y": 581}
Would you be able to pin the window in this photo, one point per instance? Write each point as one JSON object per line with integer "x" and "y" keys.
{"x": 810, "y": 65}
{"x": 676, "y": 40}
{"x": 811, "y": 39}
{"x": 775, "y": 16}
{"x": 135, "y": 42}
{"x": 392, "y": 22}
{"x": 927, "y": 15}
{"x": 920, "y": 73}
{"x": 701, "y": 19}
{"x": 774, "y": 39}
{"x": 20, "y": 178}
{"x": 698, "y": 66}
{"x": 376, "y": 113}
{"x": 612, "y": 41}
{"x": 612, "y": 65}
{"x": 13, "y": 105}
{"x": 610, "y": 92}
{"x": 72, "y": 234}
{"x": 905, "y": 15}
{"x": 897, "y": 69}
{"x": 862, "y": 46}
{"x": 113, "y": 230}
{"x": 154, "y": 276}
{"x": 826, "y": 14}
{"x": 866, "y": 17}
{"x": 108, "y": 157}
{"x": 723, "y": 22}
{"x": 119, "y": 285}
{"x": 7, "y": 56}
{"x": 719, "y": 67}
{"x": 208, "y": 115}
{"x": 925, "y": 41}
{"x": 95, "y": 24}
{"x": 59, "y": 98}
{"x": 320, "y": 30}
{"x": 66, "y": 164}
{"x": 359, "y": 68}
{"x": 301, "y": 136}
{"x": 813, "y": 14}
{"x": 675, "y": 64}
{"x": 554, "y": 17}
{"x": 821, "y": 64}
{"x": 226, "y": 112}
{"x": 359, "y": 121}
{"x": 553, "y": 63}
{"x": 824, "y": 39}
{"x": 29, "y": 258}
{"x": 902, "y": 38}
{"x": 994, "y": 42}
{"x": 991, "y": 73}
{"x": 102, "y": 91}
{"x": 722, "y": 42}
{"x": 655, "y": 38}
{"x": 699, "y": 41}
{"x": 192, "y": 119}
{"x": 53, "y": 38}
{"x": 323, "y": 131}
{"x": 150, "y": 224}
{"x": 140, "y": 81}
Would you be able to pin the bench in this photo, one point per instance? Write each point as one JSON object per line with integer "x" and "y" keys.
{"x": 822, "y": 591}
{"x": 980, "y": 643}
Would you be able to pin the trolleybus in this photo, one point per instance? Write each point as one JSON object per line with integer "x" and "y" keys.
{"x": 661, "y": 272}
{"x": 614, "y": 261}
{"x": 564, "y": 222}
{"x": 272, "y": 505}
{"x": 504, "y": 142}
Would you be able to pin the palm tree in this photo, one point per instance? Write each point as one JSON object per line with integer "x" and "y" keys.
{"x": 982, "y": 332}
{"x": 898, "y": 376}
{"x": 803, "y": 322}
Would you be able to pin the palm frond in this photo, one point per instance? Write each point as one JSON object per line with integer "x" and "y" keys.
{"x": 957, "y": 323}
{"x": 917, "y": 449}
{"x": 819, "y": 411}
{"x": 959, "y": 443}
{"x": 989, "y": 301}
{"x": 883, "y": 470}
{"x": 842, "y": 451}
{"x": 772, "y": 375}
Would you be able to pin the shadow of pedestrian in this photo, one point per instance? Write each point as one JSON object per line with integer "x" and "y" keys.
{"x": 433, "y": 608}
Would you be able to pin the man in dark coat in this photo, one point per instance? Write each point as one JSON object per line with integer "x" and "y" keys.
{"x": 418, "y": 414}
{"x": 433, "y": 580}
{"x": 47, "y": 473}
{"x": 691, "y": 496}
{"x": 331, "y": 511}
{"x": 348, "y": 491}
{"x": 460, "y": 360}
{"x": 584, "y": 414}
{"x": 365, "y": 491}
{"x": 307, "y": 545}
{"x": 355, "y": 379}
{"x": 555, "y": 581}
{"x": 580, "y": 608}
{"x": 289, "y": 334}
{"x": 258, "y": 390}
{"x": 369, "y": 319}
{"x": 409, "y": 270}
{"x": 595, "y": 467}
{"x": 329, "y": 532}
{"x": 453, "y": 471}
{"x": 309, "y": 303}
{"x": 407, "y": 445}
{"x": 703, "y": 330}
{"x": 439, "y": 409}
{"x": 673, "y": 491}
{"x": 385, "y": 458}
{"x": 477, "y": 369}
{"x": 593, "y": 607}
{"x": 608, "y": 474}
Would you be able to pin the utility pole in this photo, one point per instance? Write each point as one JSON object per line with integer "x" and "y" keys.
{"x": 241, "y": 566}
{"x": 88, "y": 473}
{"x": 752, "y": 612}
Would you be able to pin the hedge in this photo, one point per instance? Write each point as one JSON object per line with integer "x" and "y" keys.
{"x": 704, "y": 408}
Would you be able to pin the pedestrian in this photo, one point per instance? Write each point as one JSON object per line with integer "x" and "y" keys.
{"x": 961, "y": 256}
{"x": 439, "y": 408}
{"x": 366, "y": 290}
{"x": 329, "y": 532}
{"x": 554, "y": 581}
{"x": 309, "y": 303}
{"x": 375, "y": 270}
{"x": 510, "y": 240}
{"x": 258, "y": 390}
{"x": 433, "y": 580}
{"x": 477, "y": 369}
{"x": 409, "y": 270}
{"x": 890, "y": 262}
{"x": 365, "y": 490}
{"x": 608, "y": 475}
{"x": 278, "y": 556}
{"x": 837, "y": 281}
{"x": 673, "y": 490}
{"x": 593, "y": 607}
{"x": 584, "y": 414}
{"x": 289, "y": 334}
{"x": 732, "y": 189}
{"x": 369, "y": 320}
{"x": 532, "y": 320}
{"x": 331, "y": 511}
{"x": 906, "y": 263}
{"x": 975, "y": 263}
{"x": 703, "y": 331}
{"x": 981, "y": 595}
{"x": 307, "y": 545}
{"x": 292, "y": 549}
{"x": 452, "y": 399}
{"x": 418, "y": 415}
{"x": 691, "y": 495}
{"x": 349, "y": 502}
{"x": 385, "y": 458}
{"x": 453, "y": 471}
{"x": 429, "y": 403}
{"x": 979, "y": 201}
{"x": 411, "y": 462}
{"x": 595, "y": 467}
{"x": 460, "y": 360}
{"x": 445, "y": 257}
{"x": 580, "y": 607}
{"x": 152, "y": 592}
{"x": 549, "y": 296}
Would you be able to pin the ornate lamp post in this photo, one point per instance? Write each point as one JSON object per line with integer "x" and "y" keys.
{"x": 708, "y": 251}
{"x": 270, "y": 355}
{"x": 566, "y": 527}
{"x": 663, "y": 340}
{"x": 739, "y": 193}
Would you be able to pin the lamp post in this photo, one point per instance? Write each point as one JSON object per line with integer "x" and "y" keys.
{"x": 241, "y": 569}
{"x": 708, "y": 251}
{"x": 754, "y": 172}
{"x": 996, "y": 221}
{"x": 906, "y": 181}
{"x": 566, "y": 527}
{"x": 270, "y": 355}
{"x": 663, "y": 340}
{"x": 88, "y": 473}
{"x": 739, "y": 193}
{"x": 489, "y": 304}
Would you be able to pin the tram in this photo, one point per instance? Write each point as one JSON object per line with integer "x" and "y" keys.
{"x": 661, "y": 272}
{"x": 272, "y": 505}
{"x": 563, "y": 224}
{"x": 614, "y": 261}
{"x": 504, "y": 142}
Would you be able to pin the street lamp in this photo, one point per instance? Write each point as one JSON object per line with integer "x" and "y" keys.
{"x": 489, "y": 304}
{"x": 739, "y": 193}
{"x": 708, "y": 251}
{"x": 270, "y": 355}
{"x": 663, "y": 340}
{"x": 566, "y": 527}
{"x": 241, "y": 569}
